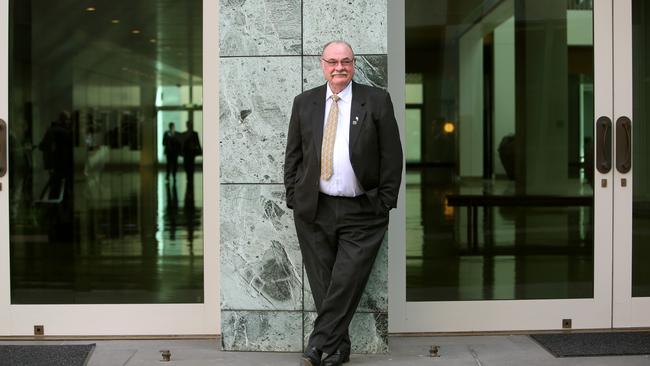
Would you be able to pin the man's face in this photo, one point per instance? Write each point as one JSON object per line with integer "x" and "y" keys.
{"x": 337, "y": 63}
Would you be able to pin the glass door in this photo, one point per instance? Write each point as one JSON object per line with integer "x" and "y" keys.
{"x": 101, "y": 211}
{"x": 508, "y": 204}
{"x": 632, "y": 173}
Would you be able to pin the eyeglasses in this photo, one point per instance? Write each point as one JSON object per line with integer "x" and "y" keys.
{"x": 345, "y": 62}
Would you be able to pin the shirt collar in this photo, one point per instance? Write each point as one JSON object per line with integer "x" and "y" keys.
{"x": 344, "y": 94}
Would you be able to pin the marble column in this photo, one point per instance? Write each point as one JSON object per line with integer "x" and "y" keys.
{"x": 269, "y": 54}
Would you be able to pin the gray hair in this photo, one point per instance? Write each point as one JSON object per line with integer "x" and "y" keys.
{"x": 338, "y": 41}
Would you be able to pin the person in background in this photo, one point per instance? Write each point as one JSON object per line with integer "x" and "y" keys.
{"x": 172, "y": 145}
{"x": 191, "y": 149}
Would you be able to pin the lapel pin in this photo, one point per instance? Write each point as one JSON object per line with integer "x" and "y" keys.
{"x": 356, "y": 120}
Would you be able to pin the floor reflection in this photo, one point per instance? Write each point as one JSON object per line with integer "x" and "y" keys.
{"x": 128, "y": 239}
{"x": 521, "y": 252}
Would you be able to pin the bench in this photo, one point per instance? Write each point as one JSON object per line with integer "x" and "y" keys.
{"x": 474, "y": 201}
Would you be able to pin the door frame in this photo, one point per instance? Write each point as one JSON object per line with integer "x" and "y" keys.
{"x": 505, "y": 315}
{"x": 127, "y": 319}
{"x": 628, "y": 311}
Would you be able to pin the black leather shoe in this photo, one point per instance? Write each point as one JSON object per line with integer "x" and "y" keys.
{"x": 335, "y": 359}
{"x": 345, "y": 356}
{"x": 311, "y": 357}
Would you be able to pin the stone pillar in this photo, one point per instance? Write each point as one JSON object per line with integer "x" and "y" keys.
{"x": 541, "y": 97}
{"x": 269, "y": 53}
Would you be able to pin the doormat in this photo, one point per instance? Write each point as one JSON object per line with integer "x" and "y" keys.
{"x": 42, "y": 355}
{"x": 595, "y": 344}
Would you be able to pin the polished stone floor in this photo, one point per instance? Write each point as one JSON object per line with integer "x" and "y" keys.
{"x": 125, "y": 237}
{"x": 513, "y": 245}
{"x": 502, "y": 350}
{"x": 521, "y": 250}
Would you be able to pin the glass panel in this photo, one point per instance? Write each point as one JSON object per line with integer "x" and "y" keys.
{"x": 641, "y": 150}
{"x": 501, "y": 204}
{"x": 413, "y": 89}
{"x": 93, "y": 218}
{"x": 414, "y": 126}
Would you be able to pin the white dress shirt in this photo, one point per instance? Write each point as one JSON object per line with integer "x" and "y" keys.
{"x": 343, "y": 181}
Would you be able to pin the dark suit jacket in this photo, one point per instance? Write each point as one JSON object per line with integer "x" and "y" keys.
{"x": 171, "y": 143}
{"x": 191, "y": 145}
{"x": 375, "y": 149}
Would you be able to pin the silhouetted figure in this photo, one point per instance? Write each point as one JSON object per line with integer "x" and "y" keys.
{"x": 507, "y": 155}
{"x": 58, "y": 159}
{"x": 58, "y": 156}
{"x": 172, "y": 144}
{"x": 191, "y": 149}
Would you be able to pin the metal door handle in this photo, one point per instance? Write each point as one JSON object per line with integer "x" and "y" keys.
{"x": 3, "y": 148}
{"x": 623, "y": 144}
{"x": 604, "y": 145}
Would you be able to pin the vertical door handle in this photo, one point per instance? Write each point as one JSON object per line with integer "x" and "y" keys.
{"x": 623, "y": 144}
{"x": 604, "y": 145}
{"x": 4, "y": 148}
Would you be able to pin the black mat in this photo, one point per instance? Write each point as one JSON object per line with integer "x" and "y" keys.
{"x": 595, "y": 344}
{"x": 42, "y": 355}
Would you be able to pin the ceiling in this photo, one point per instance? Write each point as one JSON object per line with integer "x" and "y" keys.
{"x": 134, "y": 41}
{"x": 428, "y": 22}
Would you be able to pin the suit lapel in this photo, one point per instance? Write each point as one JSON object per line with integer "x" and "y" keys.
{"x": 318, "y": 110}
{"x": 357, "y": 113}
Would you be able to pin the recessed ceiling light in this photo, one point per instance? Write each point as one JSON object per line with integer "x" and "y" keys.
{"x": 153, "y": 40}
{"x": 91, "y": 9}
{"x": 115, "y": 21}
{"x": 135, "y": 31}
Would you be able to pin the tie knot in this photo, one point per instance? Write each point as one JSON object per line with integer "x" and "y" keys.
{"x": 335, "y": 98}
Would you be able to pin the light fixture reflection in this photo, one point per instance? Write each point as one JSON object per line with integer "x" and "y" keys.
{"x": 91, "y": 9}
{"x": 135, "y": 31}
{"x": 448, "y": 210}
{"x": 448, "y": 127}
{"x": 115, "y": 21}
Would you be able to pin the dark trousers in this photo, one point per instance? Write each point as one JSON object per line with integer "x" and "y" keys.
{"x": 188, "y": 166}
{"x": 172, "y": 165}
{"x": 339, "y": 249}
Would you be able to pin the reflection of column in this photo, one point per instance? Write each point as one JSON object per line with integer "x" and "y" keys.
{"x": 471, "y": 104}
{"x": 148, "y": 127}
{"x": 541, "y": 97}
{"x": 149, "y": 199}
{"x": 504, "y": 88}
{"x": 148, "y": 189}
{"x": 541, "y": 151}
{"x": 147, "y": 216}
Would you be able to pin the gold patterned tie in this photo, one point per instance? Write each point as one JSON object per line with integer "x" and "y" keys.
{"x": 327, "y": 149}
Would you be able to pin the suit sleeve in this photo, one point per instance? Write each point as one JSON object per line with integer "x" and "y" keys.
{"x": 293, "y": 155}
{"x": 391, "y": 158}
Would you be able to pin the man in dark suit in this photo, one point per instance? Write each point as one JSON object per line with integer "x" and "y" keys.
{"x": 172, "y": 145}
{"x": 342, "y": 172}
{"x": 190, "y": 150}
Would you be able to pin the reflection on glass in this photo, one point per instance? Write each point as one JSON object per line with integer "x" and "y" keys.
{"x": 500, "y": 204}
{"x": 641, "y": 151}
{"x": 93, "y": 216}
